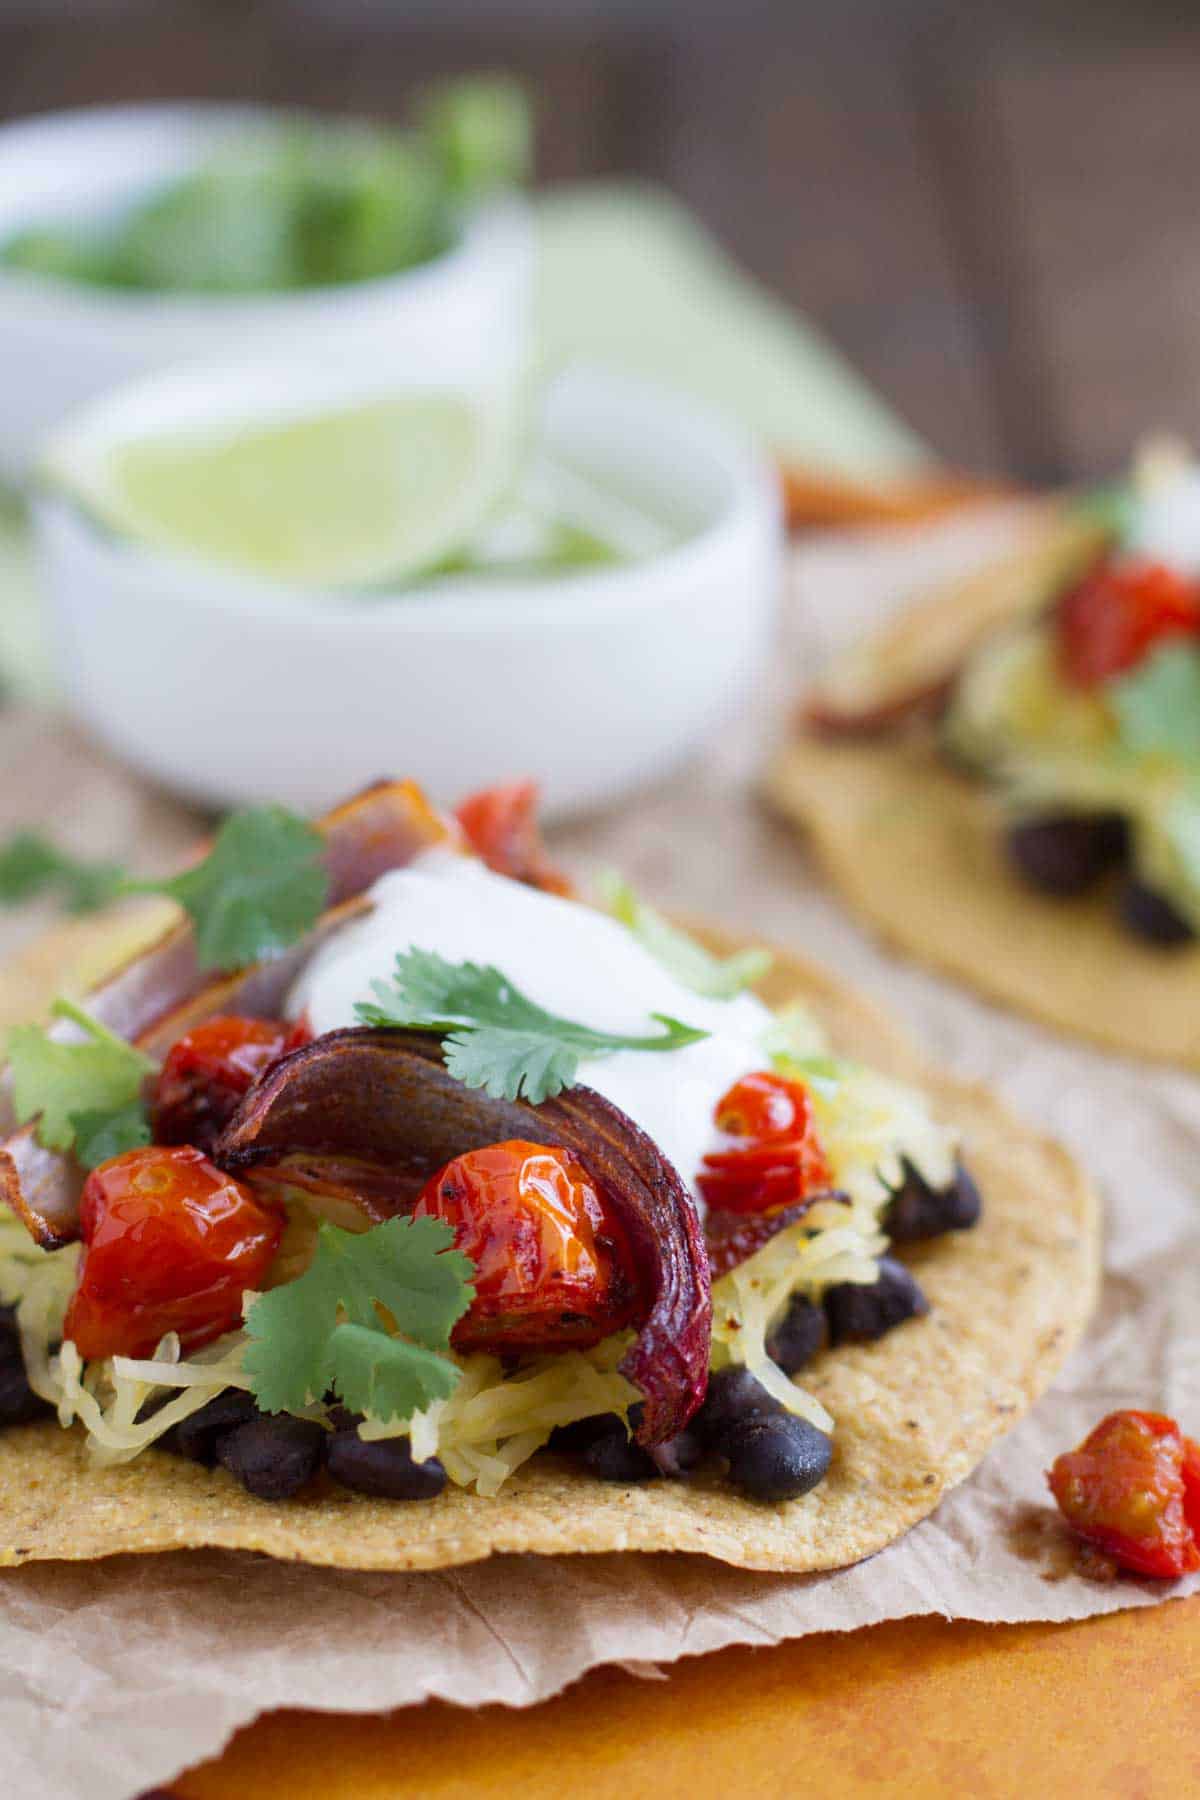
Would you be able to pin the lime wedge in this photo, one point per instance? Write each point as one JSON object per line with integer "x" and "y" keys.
{"x": 367, "y": 495}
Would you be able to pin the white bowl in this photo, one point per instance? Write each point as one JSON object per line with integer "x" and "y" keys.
{"x": 235, "y": 691}
{"x": 63, "y": 342}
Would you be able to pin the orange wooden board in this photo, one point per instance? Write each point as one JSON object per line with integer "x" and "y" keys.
{"x": 1106, "y": 1708}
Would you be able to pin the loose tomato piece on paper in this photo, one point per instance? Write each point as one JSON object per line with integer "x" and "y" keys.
{"x": 782, "y": 1160}
{"x": 170, "y": 1244}
{"x": 501, "y": 823}
{"x": 553, "y": 1267}
{"x": 1118, "y": 613}
{"x": 207, "y": 1072}
{"x": 1132, "y": 1489}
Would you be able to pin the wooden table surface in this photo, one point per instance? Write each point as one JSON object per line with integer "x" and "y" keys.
{"x": 916, "y": 1710}
{"x": 991, "y": 207}
{"x": 992, "y": 210}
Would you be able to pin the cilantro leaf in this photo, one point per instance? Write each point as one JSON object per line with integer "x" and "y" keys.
{"x": 494, "y": 1037}
{"x": 83, "y": 1094}
{"x": 99, "y": 1136}
{"x": 261, "y": 887}
{"x": 713, "y": 977}
{"x": 332, "y": 1327}
{"x": 30, "y": 865}
{"x": 1158, "y": 704}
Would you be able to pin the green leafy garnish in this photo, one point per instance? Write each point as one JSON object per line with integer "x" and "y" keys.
{"x": 797, "y": 1047}
{"x": 714, "y": 977}
{"x": 85, "y": 1095}
{"x": 1158, "y": 704}
{"x": 480, "y": 129}
{"x": 30, "y": 865}
{"x": 259, "y": 889}
{"x": 336, "y": 1326}
{"x": 1112, "y": 508}
{"x": 494, "y": 1038}
{"x": 99, "y": 1136}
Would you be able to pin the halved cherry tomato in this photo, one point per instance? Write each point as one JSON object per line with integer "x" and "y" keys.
{"x": 501, "y": 824}
{"x": 170, "y": 1243}
{"x": 553, "y": 1266}
{"x": 782, "y": 1161}
{"x": 1133, "y": 1490}
{"x": 765, "y": 1106}
{"x": 1118, "y": 613}
{"x": 208, "y": 1071}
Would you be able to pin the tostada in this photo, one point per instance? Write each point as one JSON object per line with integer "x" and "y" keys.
{"x": 1006, "y": 781}
{"x": 396, "y": 1208}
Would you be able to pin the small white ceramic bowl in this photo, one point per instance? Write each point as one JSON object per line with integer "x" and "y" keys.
{"x": 233, "y": 692}
{"x": 63, "y": 342}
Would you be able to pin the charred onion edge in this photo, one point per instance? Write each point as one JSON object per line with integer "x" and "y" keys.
{"x": 747, "y": 1233}
{"x": 380, "y": 1074}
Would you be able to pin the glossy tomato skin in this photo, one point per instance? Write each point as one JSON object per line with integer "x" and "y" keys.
{"x": 501, "y": 825}
{"x": 209, "y": 1070}
{"x": 553, "y": 1267}
{"x": 781, "y": 1160}
{"x": 1125, "y": 1491}
{"x": 1118, "y": 613}
{"x": 170, "y": 1243}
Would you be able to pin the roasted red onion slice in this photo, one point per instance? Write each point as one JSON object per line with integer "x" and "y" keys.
{"x": 163, "y": 992}
{"x": 384, "y": 1098}
{"x": 733, "y": 1238}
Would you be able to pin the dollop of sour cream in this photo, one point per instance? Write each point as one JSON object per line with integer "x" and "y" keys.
{"x": 1166, "y": 521}
{"x": 567, "y": 958}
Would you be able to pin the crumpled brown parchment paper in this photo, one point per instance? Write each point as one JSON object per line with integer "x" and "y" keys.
{"x": 115, "y": 1675}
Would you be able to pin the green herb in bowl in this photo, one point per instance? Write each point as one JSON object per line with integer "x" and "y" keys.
{"x": 299, "y": 203}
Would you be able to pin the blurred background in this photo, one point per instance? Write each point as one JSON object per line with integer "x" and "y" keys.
{"x": 991, "y": 209}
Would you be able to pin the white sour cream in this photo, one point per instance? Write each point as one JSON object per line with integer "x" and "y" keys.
{"x": 569, "y": 959}
{"x": 1166, "y": 521}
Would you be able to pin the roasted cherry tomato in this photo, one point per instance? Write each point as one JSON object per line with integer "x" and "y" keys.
{"x": 501, "y": 824}
{"x": 210, "y": 1068}
{"x": 553, "y": 1267}
{"x": 1118, "y": 613}
{"x": 1133, "y": 1490}
{"x": 781, "y": 1161}
{"x": 170, "y": 1243}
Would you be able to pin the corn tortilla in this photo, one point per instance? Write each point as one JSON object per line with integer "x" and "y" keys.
{"x": 918, "y": 851}
{"x": 916, "y": 1412}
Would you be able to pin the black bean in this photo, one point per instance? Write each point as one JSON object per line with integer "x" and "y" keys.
{"x": 580, "y": 1434}
{"x": 1067, "y": 853}
{"x": 776, "y": 1458}
{"x": 19, "y": 1405}
{"x": 198, "y": 1436}
{"x": 855, "y": 1310}
{"x": 798, "y": 1336}
{"x": 1151, "y": 917}
{"x": 274, "y": 1455}
{"x": 615, "y": 1457}
{"x": 733, "y": 1395}
{"x": 678, "y": 1454}
{"x": 385, "y": 1469}
{"x": 917, "y": 1210}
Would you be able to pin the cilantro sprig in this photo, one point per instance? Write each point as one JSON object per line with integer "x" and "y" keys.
{"x": 493, "y": 1036}
{"x": 1157, "y": 704}
{"x": 85, "y": 1095}
{"x": 368, "y": 1320}
{"x": 30, "y": 865}
{"x": 712, "y": 977}
{"x": 259, "y": 889}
